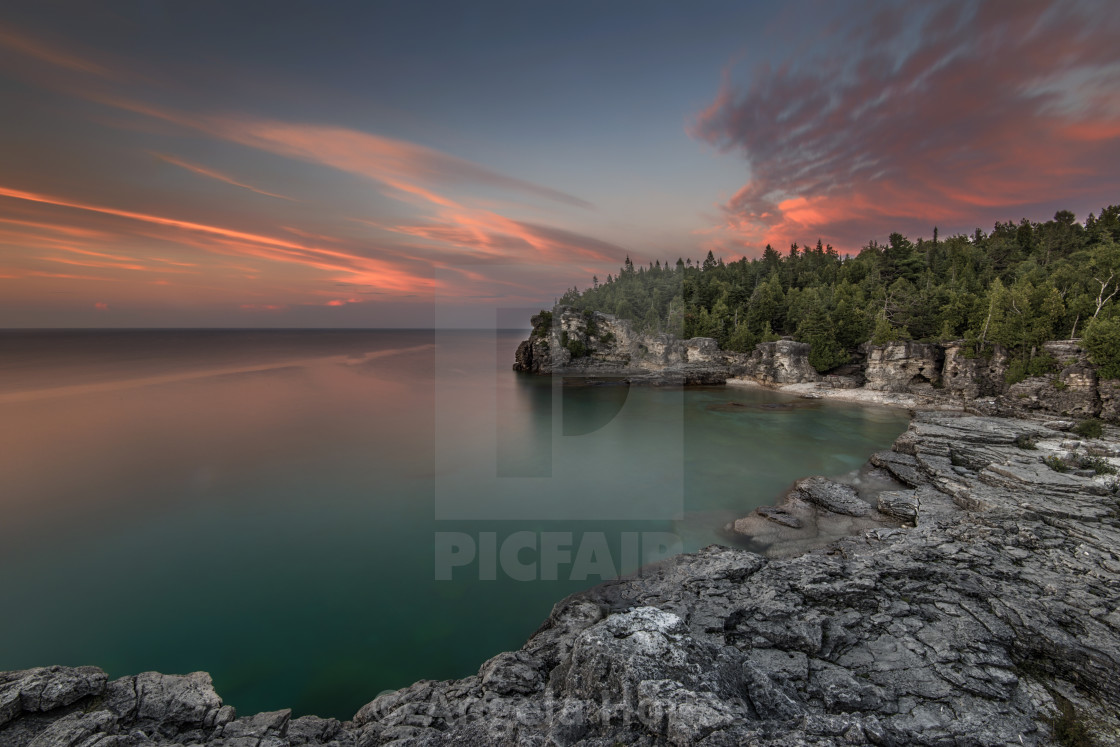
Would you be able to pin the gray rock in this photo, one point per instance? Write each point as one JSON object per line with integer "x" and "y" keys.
{"x": 779, "y": 515}
{"x": 901, "y": 504}
{"x": 902, "y": 467}
{"x": 832, "y": 496}
{"x": 971, "y": 376}
{"x": 47, "y": 688}
{"x": 577, "y": 344}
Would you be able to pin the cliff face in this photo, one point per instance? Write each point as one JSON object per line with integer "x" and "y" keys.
{"x": 781, "y": 362}
{"x": 569, "y": 342}
{"x": 969, "y": 378}
{"x": 1072, "y": 391}
{"x": 902, "y": 367}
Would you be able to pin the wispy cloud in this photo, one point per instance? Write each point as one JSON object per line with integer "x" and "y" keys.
{"x": 939, "y": 112}
{"x": 213, "y": 174}
{"x": 395, "y": 163}
{"x": 53, "y": 54}
{"x": 344, "y": 264}
{"x": 454, "y": 214}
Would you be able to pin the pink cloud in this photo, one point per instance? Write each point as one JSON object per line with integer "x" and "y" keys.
{"x": 345, "y": 264}
{"x": 452, "y": 227}
{"x": 943, "y": 114}
{"x": 101, "y": 306}
{"x": 396, "y": 163}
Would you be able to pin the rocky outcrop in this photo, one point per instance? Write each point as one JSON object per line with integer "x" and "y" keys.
{"x": 569, "y": 342}
{"x": 781, "y": 362}
{"x": 970, "y": 376}
{"x": 1073, "y": 392}
{"x": 534, "y": 355}
{"x": 992, "y": 619}
{"x": 68, "y": 707}
{"x": 911, "y": 367}
{"x": 942, "y": 375}
{"x": 1109, "y": 393}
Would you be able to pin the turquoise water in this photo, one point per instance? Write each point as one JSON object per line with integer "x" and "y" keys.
{"x": 275, "y": 507}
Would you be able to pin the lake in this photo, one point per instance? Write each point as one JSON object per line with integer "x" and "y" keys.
{"x": 316, "y": 516}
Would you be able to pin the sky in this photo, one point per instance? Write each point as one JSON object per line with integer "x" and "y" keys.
{"x": 272, "y": 164}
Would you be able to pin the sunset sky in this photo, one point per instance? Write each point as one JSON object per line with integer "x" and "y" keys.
{"x": 394, "y": 164}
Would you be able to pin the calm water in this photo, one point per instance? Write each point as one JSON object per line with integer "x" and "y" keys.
{"x": 275, "y": 507}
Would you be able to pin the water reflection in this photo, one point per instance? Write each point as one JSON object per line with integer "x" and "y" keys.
{"x": 262, "y": 505}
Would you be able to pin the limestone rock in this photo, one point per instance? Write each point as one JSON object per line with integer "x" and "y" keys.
{"x": 779, "y": 516}
{"x": 575, "y": 343}
{"x": 781, "y": 362}
{"x": 975, "y": 376}
{"x": 903, "y": 367}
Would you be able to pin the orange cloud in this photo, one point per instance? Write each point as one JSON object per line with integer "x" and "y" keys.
{"x": 396, "y": 163}
{"x": 353, "y": 267}
{"x": 455, "y": 231}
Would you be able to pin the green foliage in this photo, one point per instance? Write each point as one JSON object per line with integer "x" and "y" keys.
{"x": 1025, "y": 442}
{"x": 1056, "y": 463}
{"x": 1090, "y": 428}
{"x": 885, "y": 332}
{"x": 1041, "y": 364}
{"x": 543, "y": 325}
{"x": 1099, "y": 465}
{"x": 1102, "y": 341}
{"x": 818, "y": 330}
{"x": 1017, "y": 286}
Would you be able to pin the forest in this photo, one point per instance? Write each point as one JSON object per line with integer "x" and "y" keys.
{"x": 1017, "y": 287}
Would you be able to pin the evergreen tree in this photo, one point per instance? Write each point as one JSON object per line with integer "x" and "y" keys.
{"x": 1018, "y": 286}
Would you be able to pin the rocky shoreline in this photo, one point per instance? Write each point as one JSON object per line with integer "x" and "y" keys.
{"x": 571, "y": 344}
{"x": 976, "y": 604}
{"x": 993, "y": 619}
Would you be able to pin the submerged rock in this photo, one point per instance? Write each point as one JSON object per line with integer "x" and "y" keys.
{"x": 779, "y": 516}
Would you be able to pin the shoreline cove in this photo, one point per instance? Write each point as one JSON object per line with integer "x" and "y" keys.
{"x": 974, "y": 601}
{"x": 984, "y": 623}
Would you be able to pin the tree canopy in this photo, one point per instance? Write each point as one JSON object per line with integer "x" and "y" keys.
{"x": 1017, "y": 286}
